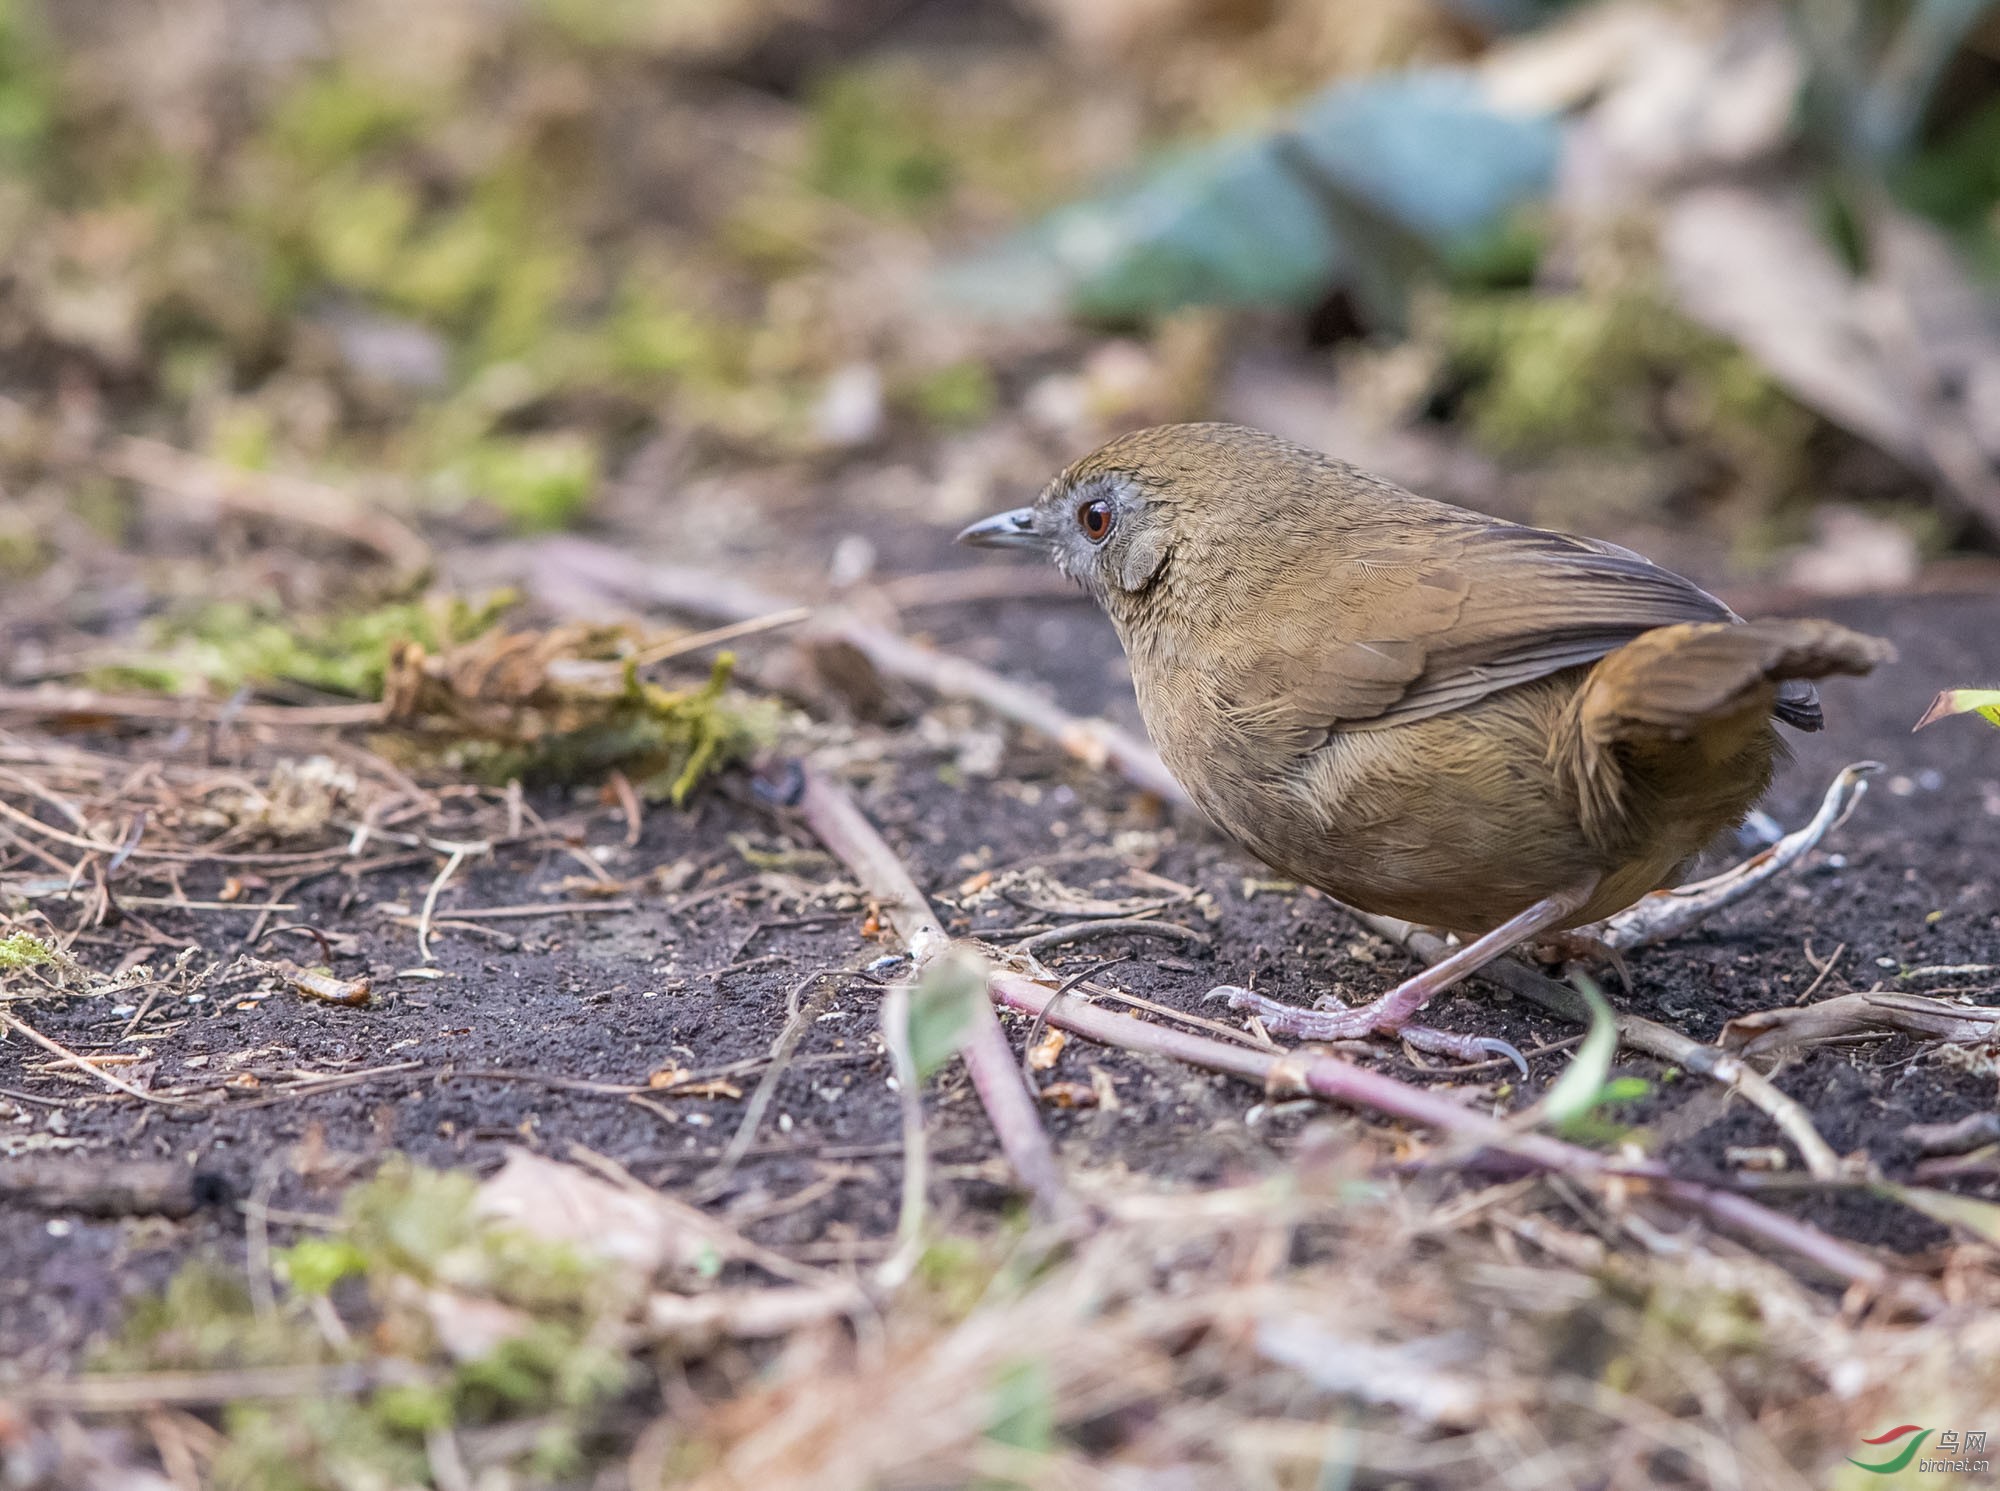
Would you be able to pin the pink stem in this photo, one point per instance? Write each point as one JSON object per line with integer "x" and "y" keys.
{"x": 1340, "y": 1081}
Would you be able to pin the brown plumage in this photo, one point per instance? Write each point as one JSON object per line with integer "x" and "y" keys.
{"x": 1423, "y": 711}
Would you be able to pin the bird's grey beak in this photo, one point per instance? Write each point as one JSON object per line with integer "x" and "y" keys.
{"x": 1014, "y": 530}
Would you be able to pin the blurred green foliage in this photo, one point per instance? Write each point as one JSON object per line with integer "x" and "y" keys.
{"x": 412, "y": 1244}
{"x": 27, "y": 103}
{"x": 876, "y": 141}
{"x": 1595, "y": 367}
{"x": 1955, "y": 180}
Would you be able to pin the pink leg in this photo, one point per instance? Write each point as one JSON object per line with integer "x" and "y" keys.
{"x": 1391, "y": 1014}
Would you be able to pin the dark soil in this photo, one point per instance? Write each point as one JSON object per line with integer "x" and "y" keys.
{"x": 1912, "y": 880}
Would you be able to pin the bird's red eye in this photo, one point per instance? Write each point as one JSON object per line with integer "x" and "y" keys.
{"x": 1094, "y": 517}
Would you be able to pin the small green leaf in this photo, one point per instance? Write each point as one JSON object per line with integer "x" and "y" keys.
{"x": 1983, "y": 702}
{"x": 1624, "y": 1090}
{"x": 942, "y": 1010}
{"x": 1582, "y": 1086}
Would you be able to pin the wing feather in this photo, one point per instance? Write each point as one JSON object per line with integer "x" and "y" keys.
{"x": 1437, "y": 623}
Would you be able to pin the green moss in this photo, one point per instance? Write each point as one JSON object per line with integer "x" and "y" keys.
{"x": 540, "y": 482}
{"x": 329, "y": 119}
{"x": 27, "y": 86}
{"x": 874, "y": 141}
{"x": 357, "y": 229}
{"x": 650, "y": 333}
{"x": 23, "y": 950}
{"x": 606, "y": 23}
{"x": 225, "y": 646}
{"x": 244, "y": 435}
{"x": 665, "y": 740}
{"x": 23, "y": 551}
{"x": 1549, "y": 371}
{"x": 955, "y": 397}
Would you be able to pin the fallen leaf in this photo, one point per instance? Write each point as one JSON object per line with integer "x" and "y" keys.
{"x": 1980, "y": 1218}
{"x": 1858, "y": 1014}
{"x": 1354, "y": 188}
{"x": 682, "y": 1087}
{"x": 628, "y": 1226}
{"x": 1581, "y": 1086}
{"x": 1908, "y": 358}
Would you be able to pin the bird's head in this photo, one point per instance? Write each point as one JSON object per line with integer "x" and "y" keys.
{"x": 1216, "y": 502}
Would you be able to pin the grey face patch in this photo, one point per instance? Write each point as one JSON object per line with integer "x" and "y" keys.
{"x": 1128, "y": 558}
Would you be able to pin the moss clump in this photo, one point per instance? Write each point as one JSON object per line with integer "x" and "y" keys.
{"x": 23, "y": 950}
{"x": 226, "y": 646}
{"x": 27, "y": 92}
{"x": 566, "y": 706}
{"x": 1617, "y": 369}
{"x": 413, "y": 1251}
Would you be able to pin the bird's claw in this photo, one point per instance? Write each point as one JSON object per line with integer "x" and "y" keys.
{"x": 1493, "y": 1048}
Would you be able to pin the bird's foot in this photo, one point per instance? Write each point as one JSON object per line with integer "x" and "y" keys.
{"x": 1385, "y": 1016}
{"x": 1668, "y": 913}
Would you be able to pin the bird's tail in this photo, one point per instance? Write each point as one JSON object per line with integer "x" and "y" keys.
{"x": 1675, "y": 703}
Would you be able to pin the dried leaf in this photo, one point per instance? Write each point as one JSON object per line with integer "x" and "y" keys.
{"x": 1856, "y": 1014}
{"x": 320, "y": 983}
{"x": 1069, "y": 1095}
{"x": 561, "y": 705}
{"x": 625, "y": 1225}
{"x": 1753, "y": 265}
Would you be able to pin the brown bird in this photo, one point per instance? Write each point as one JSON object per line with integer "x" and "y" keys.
{"x": 1425, "y": 712}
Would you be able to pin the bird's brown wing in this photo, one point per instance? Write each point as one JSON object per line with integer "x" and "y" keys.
{"x": 1400, "y": 629}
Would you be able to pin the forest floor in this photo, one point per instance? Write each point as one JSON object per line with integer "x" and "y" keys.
{"x": 667, "y": 944}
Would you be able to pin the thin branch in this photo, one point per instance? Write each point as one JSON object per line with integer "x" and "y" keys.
{"x": 107, "y": 1393}
{"x": 70, "y": 1058}
{"x": 680, "y": 646}
{"x": 579, "y": 563}
{"x": 1305, "y": 1074}
{"x": 1115, "y": 926}
{"x": 451, "y": 865}
{"x": 804, "y": 1013}
{"x": 839, "y": 823}
{"x": 840, "y": 826}
{"x": 46, "y": 703}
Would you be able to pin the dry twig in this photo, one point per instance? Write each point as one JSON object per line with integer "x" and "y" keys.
{"x": 605, "y": 571}
{"x": 839, "y": 824}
